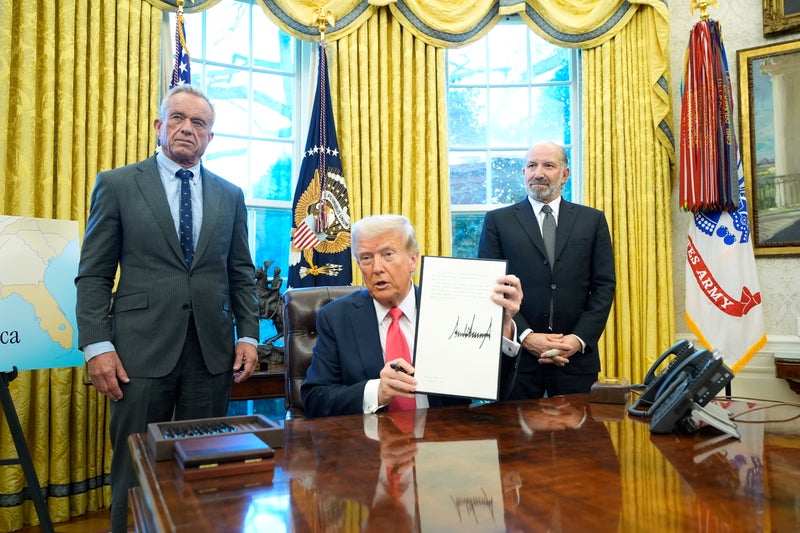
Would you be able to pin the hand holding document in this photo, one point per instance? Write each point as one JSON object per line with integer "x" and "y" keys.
{"x": 459, "y": 327}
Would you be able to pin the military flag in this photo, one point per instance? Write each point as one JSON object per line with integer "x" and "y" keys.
{"x": 319, "y": 253}
{"x": 723, "y": 300}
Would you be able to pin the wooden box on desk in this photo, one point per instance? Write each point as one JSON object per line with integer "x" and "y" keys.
{"x": 223, "y": 455}
{"x": 161, "y": 436}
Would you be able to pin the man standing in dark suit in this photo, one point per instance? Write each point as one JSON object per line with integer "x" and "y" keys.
{"x": 350, "y": 371}
{"x": 164, "y": 344}
{"x": 567, "y": 300}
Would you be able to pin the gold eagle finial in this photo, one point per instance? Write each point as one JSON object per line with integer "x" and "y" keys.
{"x": 702, "y": 5}
{"x": 323, "y": 19}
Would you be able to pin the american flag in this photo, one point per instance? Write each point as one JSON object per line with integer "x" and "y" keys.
{"x": 181, "y": 70}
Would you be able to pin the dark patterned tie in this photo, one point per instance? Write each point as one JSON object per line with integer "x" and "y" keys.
{"x": 397, "y": 346}
{"x": 549, "y": 234}
{"x": 185, "y": 215}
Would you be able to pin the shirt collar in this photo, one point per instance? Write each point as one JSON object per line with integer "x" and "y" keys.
{"x": 169, "y": 167}
{"x": 555, "y": 205}
{"x": 408, "y": 306}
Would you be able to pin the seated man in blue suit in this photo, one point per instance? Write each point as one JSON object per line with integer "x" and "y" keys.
{"x": 349, "y": 372}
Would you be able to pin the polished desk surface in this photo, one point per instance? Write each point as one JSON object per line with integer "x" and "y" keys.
{"x": 560, "y": 465}
{"x": 263, "y": 384}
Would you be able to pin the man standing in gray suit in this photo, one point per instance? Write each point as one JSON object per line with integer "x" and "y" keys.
{"x": 182, "y": 324}
{"x": 562, "y": 254}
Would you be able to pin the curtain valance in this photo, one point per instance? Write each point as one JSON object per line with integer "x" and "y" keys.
{"x": 189, "y": 6}
{"x": 453, "y": 23}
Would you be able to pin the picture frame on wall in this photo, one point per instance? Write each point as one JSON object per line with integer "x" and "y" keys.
{"x": 781, "y": 16}
{"x": 769, "y": 80}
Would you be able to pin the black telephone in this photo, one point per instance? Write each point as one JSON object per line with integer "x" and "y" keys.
{"x": 690, "y": 380}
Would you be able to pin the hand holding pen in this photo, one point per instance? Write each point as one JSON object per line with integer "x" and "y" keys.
{"x": 396, "y": 380}
{"x": 397, "y": 367}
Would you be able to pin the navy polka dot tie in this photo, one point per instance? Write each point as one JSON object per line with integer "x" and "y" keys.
{"x": 185, "y": 215}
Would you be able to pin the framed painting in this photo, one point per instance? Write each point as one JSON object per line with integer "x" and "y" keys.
{"x": 781, "y": 16}
{"x": 769, "y": 103}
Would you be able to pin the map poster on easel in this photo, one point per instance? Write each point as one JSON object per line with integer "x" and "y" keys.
{"x": 37, "y": 293}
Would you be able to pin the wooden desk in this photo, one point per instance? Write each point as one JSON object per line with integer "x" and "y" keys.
{"x": 262, "y": 384}
{"x": 561, "y": 465}
{"x": 789, "y": 369}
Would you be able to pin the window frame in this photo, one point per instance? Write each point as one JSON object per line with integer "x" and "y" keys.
{"x": 573, "y": 149}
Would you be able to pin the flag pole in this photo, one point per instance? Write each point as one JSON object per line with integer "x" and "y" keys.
{"x": 180, "y": 69}
{"x": 322, "y": 19}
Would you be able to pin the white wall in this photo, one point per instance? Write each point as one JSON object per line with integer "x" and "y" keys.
{"x": 779, "y": 277}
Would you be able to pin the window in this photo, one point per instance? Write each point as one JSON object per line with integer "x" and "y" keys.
{"x": 505, "y": 92}
{"x": 249, "y": 69}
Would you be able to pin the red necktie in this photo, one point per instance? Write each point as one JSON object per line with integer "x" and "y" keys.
{"x": 397, "y": 347}
{"x": 393, "y": 488}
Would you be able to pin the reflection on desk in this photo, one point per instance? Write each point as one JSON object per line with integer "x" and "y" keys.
{"x": 559, "y": 464}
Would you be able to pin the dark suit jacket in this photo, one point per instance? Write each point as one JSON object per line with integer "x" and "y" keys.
{"x": 347, "y": 354}
{"x": 581, "y": 283}
{"x": 130, "y": 225}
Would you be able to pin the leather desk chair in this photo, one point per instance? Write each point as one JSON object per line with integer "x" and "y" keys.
{"x": 300, "y": 334}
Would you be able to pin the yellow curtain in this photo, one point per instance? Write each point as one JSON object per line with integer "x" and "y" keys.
{"x": 627, "y": 174}
{"x": 389, "y": 99}
{"x": 78, "y": 92}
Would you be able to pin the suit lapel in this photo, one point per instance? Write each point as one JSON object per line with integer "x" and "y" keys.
{"x": 523, "y": 211}
{"x": 566, "y": 221}
{"x": 149, "y": 182}
{"x": 212, "y": 194}
{"x": 362, "y": 315}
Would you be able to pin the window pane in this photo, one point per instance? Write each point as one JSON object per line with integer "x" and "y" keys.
{"x": 193, "y": 26}
{"x": 272, "y": 48}
{"x": 466, "y": 234}
{"x": 508, "y": 54}
{"x": 228, "y": 89}
{"x": 270, "y": 233}
{"x": 510, "y": 117}
{"x": 255, "y": 101}
{"x": 273, "y": 98}
{"x": 228, "y": 35}
{"x": 548, "y": 63}
{"x": 467, "y": 177}
{"x": 551, "y": 114}
{"x": 271, "y": 229}
{"x": 508, "y": 181}
{"x": 467, "y": 65}
{"x": 466, "y": 115}
{"x": 228, "y": 157}
{"x": 272, "y": 163}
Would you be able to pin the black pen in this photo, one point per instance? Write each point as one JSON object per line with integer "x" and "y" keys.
{"x": 398, "y": 368}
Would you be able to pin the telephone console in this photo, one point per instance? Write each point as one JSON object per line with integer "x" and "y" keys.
{"x": 691, "y": 379}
